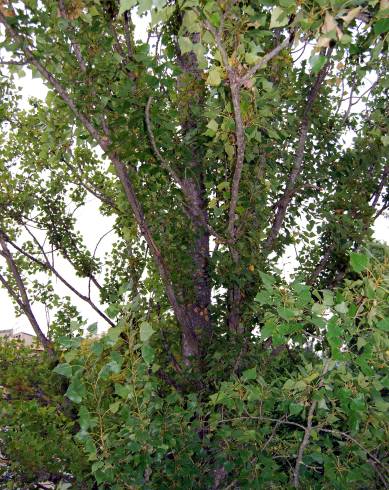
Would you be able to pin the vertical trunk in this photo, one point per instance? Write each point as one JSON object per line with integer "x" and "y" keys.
{"x": 192, "y": 87}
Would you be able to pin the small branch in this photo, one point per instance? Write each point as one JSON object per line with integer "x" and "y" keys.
{"x": 321, "y": 265}
{"x": 350, "y": 438}
{"x": 377, "y": 194}
{"x": 308, "y": 431}
{"x": 128, "y": 28}
{"x": 47, "y": 265}
{"x": 265, "y": 59}
{"x": 22, "y": 300}
{"x": 75, "y": 45}
{"x": 156, "y": 151}
{"x": 11, "y": 62}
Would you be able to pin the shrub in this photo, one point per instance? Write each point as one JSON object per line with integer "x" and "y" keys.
{"x": 36, "y": 433}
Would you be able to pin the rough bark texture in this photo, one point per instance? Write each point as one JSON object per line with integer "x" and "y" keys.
{"x": 195, "y": 194}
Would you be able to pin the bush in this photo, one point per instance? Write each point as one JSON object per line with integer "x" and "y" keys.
{"x": 36, "y": 433}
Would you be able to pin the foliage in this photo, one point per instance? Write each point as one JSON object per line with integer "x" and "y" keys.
{"x": 245, "y": 428}
{"x": 237, "y": 131}
{"x": 36, "y": 433}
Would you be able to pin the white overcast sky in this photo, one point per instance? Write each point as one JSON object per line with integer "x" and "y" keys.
{"x": 89, "y": 218}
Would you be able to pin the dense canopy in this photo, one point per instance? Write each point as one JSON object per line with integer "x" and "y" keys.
{"x": 234, "y": 132}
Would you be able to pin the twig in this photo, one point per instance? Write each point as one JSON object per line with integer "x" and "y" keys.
{"x": 308, "y": 431}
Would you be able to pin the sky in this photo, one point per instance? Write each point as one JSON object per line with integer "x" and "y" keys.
{"x": 89, "y": 218}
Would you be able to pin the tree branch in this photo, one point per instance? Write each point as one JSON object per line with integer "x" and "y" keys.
{"x": 265, "y": 59}
{"x": 75, "y": 45}
{"x": 192, "y": 209}
{"x": 290, "y": 188}
{"x": 47, "y": 265}
{"x": 307, "y": 433}
{"x": 23, "y": 300}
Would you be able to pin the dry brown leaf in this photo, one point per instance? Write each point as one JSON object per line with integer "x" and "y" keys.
{"x": 351, "y": 14}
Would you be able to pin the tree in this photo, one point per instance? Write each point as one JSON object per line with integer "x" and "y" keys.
{"x": 225, "y": 139}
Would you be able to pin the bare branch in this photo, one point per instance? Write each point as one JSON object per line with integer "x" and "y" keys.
{"x": 12, "y": 62}
{"x": 48, "y": 266}
{"x": 384, "y": 179}
{"x": 128, "y": 28}
{"x": 321, "y": 265}
{"x": 23, "y": 299}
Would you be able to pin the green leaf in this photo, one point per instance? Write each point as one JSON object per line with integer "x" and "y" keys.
{"x": 146, "y": 331}
{"x": 295, "y": 408}
{"x": 86, "y": 421}
{"x": 113, "y": 310}
{"x": 148, "y": 353}
{"x": 381, "y": 26}
{"x": 268, "y": 330}
{"x": 317, "y": 62}
{"x": 285, "y": 313}
{"x": 185, "y": 44}
{"x": 251, "y": 58}
{"x": 318, "y": 309}
{"x": 122, "y": 390}
{"x": 289, "y": 384}
{"x": 385, "y": 140}
{"x": 213, "y": 125}
{"x": 126, "y": 5}
{"x": 214, "y": 78}
{"x": 144, "y": 6}
{"x": 113, "y": 335}
{"x": 358, "y": 261}
{"x": 263, "y": 297}
{"x": 92, "y": 329}
{"x": 63, "y": 369}
{"x": 341, "y": 308}
{"x": 114, "y": 407}
{"x": 279, "y": 18}
{"x": 268, "y": 281}
{"x": 328, "y": 297}
{"x": 76, "y": 390}
{"x": 250, "y": 373}
{"x": 69, "y": 342}
{"x": 190, "y": 21}
{"x": 383, "y": 324}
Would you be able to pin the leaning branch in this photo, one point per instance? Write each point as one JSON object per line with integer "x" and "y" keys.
{"x": 236, "y": 82}
{"x": 22, "y": 299}
{"x": 46, "y": 265}
{"x": 290, "y": 188}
